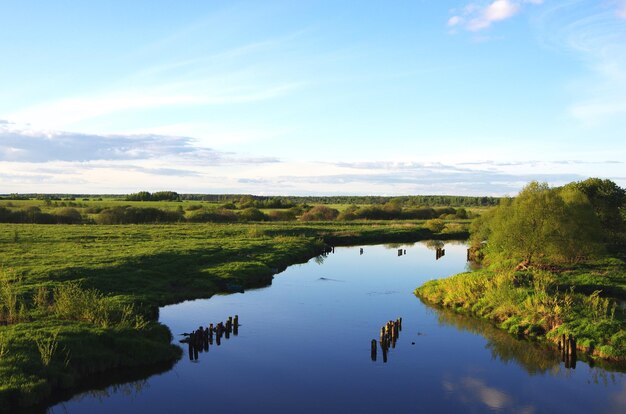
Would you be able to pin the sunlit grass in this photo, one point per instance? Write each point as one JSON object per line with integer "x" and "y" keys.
{"x": 542, "y": 303}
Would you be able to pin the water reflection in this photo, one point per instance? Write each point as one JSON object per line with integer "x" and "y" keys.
{"x": 476, "y": 393}
{"x": 128, "y": 389}
{"x": 433, "y": 244}
{"x": 534, "y": 357}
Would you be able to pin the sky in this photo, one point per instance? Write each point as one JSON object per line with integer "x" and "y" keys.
{"x": 310, "y": 97}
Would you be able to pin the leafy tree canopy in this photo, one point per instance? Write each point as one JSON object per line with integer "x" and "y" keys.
{"x": 541, "y": 224}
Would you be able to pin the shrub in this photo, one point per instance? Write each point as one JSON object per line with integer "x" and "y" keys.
{"x": 435, "y": 225}
{"x": 68, "y": 215}
{"x": 252, "y": 214}
{"x": 136, "y": 215}
{"x": 320, "y": 213}
{"x": 213, "y": 216}
{"x": 281, "y": 215}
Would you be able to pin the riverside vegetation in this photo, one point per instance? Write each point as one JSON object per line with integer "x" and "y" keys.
{"x": 81, "y": 301}
{"x": 553, "y": 264}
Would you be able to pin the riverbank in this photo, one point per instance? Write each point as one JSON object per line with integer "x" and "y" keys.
{"x": 118, "y": 276}
{"x": 582, "y": 301}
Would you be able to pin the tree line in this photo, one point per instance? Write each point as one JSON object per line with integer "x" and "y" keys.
{"x": 246, "y": 200}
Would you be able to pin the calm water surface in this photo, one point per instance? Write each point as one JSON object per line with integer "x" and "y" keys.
{"x": 304, "y": 347}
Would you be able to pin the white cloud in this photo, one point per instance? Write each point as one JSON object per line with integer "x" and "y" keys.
{"x": 454, "y": 20}
{"x": 479, "y": 17}
{"x": 501, "y": 10}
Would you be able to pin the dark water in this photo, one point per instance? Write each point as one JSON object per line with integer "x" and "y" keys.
{"x": 304, "y": 347}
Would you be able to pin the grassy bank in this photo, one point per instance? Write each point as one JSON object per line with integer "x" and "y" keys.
{"x": 81, "y": 301}
{"x": 582, "y": 300}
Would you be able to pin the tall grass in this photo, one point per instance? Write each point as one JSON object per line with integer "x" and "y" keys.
{"x": 531, "y": 304}
{"x": 9, "y": 310}
{"x": 4, "y": 345}
{"x": 72, "y": 302}
{"x": 41, "y": 298}
{"x": 47, "y": 345}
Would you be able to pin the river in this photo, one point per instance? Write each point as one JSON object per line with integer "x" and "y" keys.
{"x": 304, "y": 347}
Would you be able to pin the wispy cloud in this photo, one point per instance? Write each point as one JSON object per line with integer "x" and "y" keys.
{"x": 475, "y": 17}
{"x": 64, "y": 112}
{"x": 388, "y": 178}
{"x": 181, "y": 75}
{"x": 56, "y": 161}
{"x": 594, "y": 33}
{"x": 36, "y": 146}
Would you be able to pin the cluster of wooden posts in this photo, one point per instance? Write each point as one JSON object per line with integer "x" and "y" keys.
{"x": 329, "y": 249}
{"x": 440, "y": 253}
{"x": 401, "y": 252}
{"x": 389, "y": 334}
{"x": 567, "y": 346}
{"x": 200, "y": 339}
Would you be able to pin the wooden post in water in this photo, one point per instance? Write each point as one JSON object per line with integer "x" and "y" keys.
{"x": 399, "y": 252}
{"x": 400, "y": 323}
{"x": 236, "y": 325}
{"x": 384, "y": 355}
{"x": 572, "y": 346}
{"x": 361, "y": 251}
{"x": 468, "y": 255}
{"x": 373, "y": 350}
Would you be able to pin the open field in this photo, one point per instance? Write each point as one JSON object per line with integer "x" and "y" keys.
{"x": 170, "y": 207}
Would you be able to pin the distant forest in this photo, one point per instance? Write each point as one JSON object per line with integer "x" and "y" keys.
{"x": 274, "y": 201}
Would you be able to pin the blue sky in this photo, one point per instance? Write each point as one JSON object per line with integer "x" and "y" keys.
{"x": 311, "y": 97}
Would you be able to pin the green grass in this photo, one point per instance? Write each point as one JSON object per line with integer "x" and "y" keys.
{"x": 582, "y": 301}
{"x": 80, "y": 301}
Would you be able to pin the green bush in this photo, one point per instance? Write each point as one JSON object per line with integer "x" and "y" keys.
{"x": 320, "y": 213}
{"x": 435, "y": 225}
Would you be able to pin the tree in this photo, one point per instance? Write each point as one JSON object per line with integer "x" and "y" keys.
{"x": 540, "y": 224}
{"x": 608, "y": 201}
